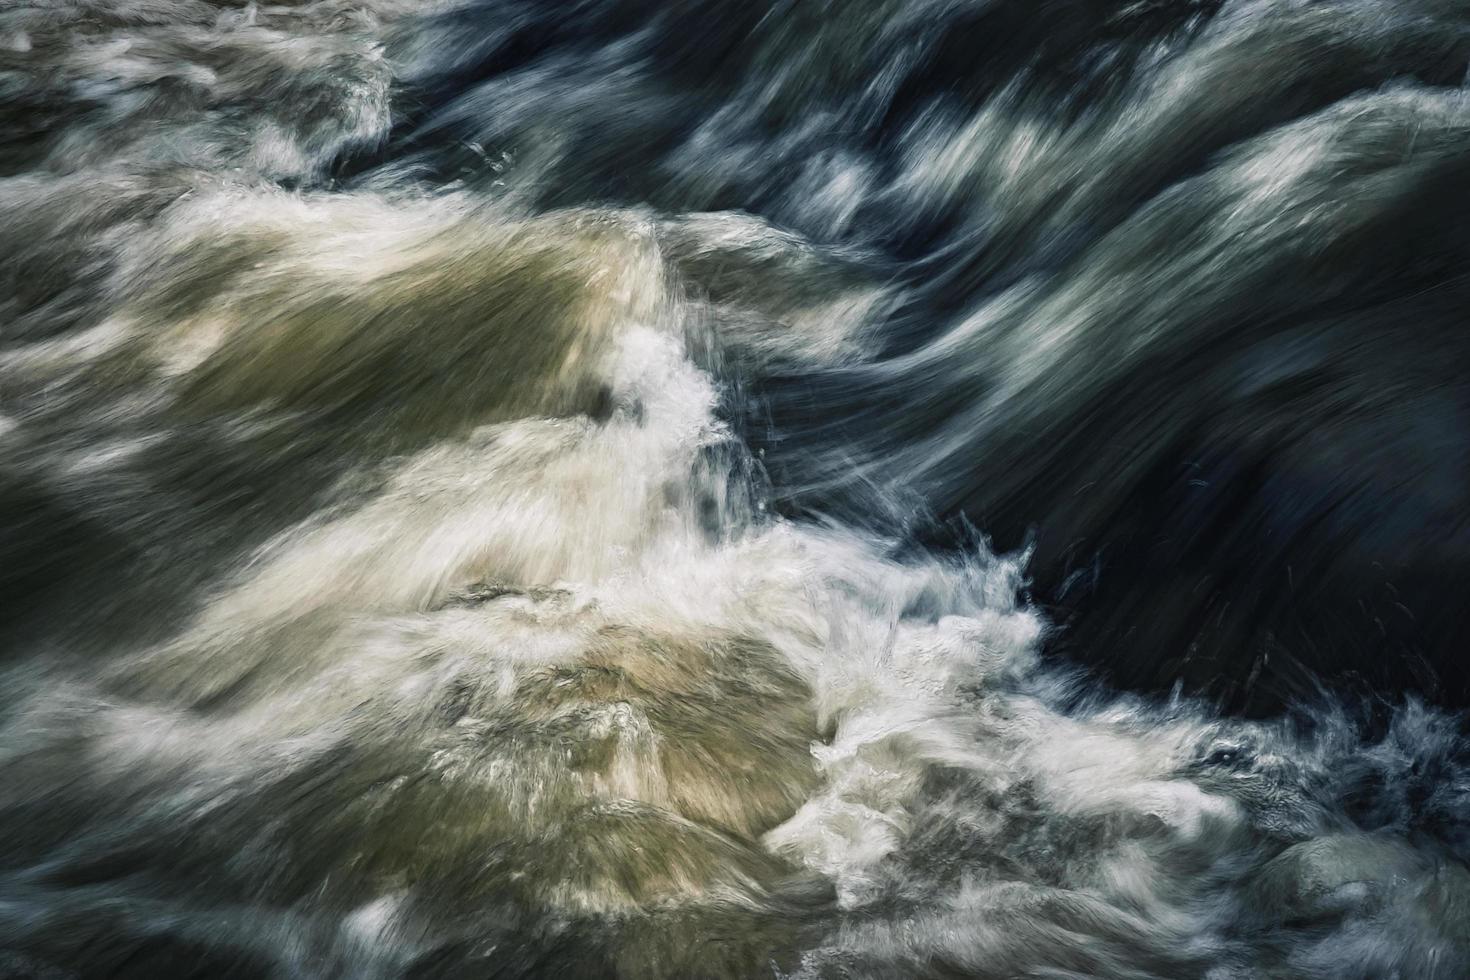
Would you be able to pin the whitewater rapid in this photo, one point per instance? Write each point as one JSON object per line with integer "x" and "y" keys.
{"x": 501, "y": 489}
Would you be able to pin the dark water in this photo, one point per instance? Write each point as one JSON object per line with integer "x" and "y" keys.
{"x": 946, "y": 488}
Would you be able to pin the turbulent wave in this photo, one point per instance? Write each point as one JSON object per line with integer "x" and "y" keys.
{"x": 818, "y": 490}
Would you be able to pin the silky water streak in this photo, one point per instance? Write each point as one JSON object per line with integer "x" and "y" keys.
{"x": 500, "y": 489}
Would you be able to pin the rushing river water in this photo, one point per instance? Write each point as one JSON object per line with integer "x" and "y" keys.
{"x": 727, "y": 488}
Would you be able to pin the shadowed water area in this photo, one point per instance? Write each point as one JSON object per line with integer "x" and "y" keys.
{"x": 810, "y": 489}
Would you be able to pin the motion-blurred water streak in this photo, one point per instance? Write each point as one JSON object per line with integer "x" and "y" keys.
{"x": 722, "y": 489}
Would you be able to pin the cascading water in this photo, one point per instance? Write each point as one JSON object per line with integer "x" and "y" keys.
{"x": 685, "y": 490}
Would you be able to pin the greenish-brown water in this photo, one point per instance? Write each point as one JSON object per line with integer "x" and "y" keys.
{"x": 606, "y": 489}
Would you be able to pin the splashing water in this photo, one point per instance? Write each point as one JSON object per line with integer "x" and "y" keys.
{"x": 490, "y": 489}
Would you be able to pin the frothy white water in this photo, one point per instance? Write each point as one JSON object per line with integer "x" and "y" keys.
{"x": 531, "y": 668}
{"x": 407, "y": 602}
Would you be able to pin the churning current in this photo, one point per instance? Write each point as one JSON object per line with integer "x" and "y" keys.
{"x": 807, "y": 489}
